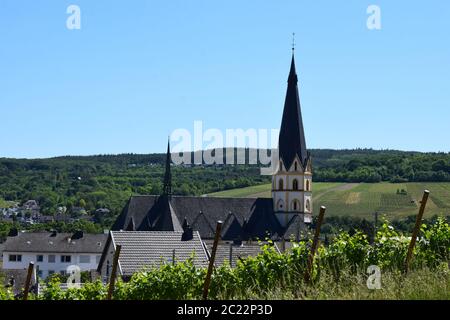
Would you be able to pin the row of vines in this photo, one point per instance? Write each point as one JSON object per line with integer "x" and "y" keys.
{"x": 259, "y": 276}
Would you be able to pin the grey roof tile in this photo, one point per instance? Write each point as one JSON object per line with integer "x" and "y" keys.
{"x": 58, "y": 243}
{"x": 142, "y": 249}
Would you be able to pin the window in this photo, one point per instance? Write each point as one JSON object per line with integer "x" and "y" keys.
{"x": 66, "y": 259}
{"x": 280, "y": 204}
{"x": 50, "y": 272}
{"x": 51, "y": 258}
{"x": 307, "y": 185}
{"x": 39, "y": 258}
{"x": 295, "y": 165}
{"x": 62, "y": 272}
{"x": 280, "y": 184}
{"x": 85, "y": 259}
{"x": 15, "y": 257}
{"x": 295, "y": 184}
{"x": 295, "y": 205}
{"x": 308, "y": 205}
{"x": 39, "y": 273}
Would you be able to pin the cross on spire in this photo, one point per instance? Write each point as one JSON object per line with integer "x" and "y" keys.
{"x": 293, "y": 42}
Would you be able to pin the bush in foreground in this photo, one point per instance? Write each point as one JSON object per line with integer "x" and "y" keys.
{"x": 339, "y": 272}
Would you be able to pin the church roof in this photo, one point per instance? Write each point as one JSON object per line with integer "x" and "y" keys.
{"x": 243, "y": 217}
{"x": 292, "y": 141}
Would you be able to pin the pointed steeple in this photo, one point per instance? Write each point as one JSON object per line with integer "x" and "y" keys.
{"x": 292, "y": 137}
{"x": 167, "y": 184}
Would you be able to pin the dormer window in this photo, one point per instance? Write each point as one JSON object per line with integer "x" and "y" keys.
{"x": 295, "y": 184}
{"x": 295, "y": 166}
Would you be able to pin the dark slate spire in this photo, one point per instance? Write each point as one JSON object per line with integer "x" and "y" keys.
{"x": 292, "y": 137}
{"x": 167, "y": 184}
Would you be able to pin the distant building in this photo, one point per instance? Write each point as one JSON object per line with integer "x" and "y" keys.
{"x": 144, "y": 249}
{"x": 53, "y": 252}
{"x": 31, "y": 205}
{"x": 102, "y": 211}
{"x": 45, "y": 219}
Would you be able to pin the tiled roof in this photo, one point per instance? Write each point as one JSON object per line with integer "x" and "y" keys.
{"x": 242, "y": 217}
{"x": 153, "y": 248}
{"x": 59, "y": 242}
{"x": 237, "y": 252}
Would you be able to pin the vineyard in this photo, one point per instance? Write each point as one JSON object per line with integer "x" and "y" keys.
{"x": 364, "y": 199}
{"x": 339, "y": 272}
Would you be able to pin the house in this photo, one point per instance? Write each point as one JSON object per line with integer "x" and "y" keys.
{"x": 45, "y": 219}
{"x": 52, "y": 252}
{"x": 102, "y": 211}
{"x": 283, "y": 216}
{"x": 144, "y": 249}
{"x": 31, "y": 205}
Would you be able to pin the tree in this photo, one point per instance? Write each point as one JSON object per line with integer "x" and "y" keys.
{"x": 82, "y": 203}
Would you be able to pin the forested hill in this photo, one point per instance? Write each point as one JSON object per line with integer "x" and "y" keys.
{"x": 108, "y": 180}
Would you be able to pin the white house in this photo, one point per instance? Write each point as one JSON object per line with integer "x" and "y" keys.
{"x": 53, "y": 252}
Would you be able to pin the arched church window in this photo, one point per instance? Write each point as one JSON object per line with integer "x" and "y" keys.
{"x": 280, "y": 184}
{"x": 295, "y": 166}
{"x": 280, "y": 204}
{"x": 308, "y": 205}
{"x": 295, "y": 205}
{"x": 307, "y": 185}
{"x": 295, "y": 184}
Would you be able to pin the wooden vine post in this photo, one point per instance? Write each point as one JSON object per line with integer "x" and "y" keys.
{"x": 416, "y": 230}
{"x": 28, "y": 281}
{"x": 112, "y": 279}
{"x": 309, "y": 267}
{"x": 211, "y": 260}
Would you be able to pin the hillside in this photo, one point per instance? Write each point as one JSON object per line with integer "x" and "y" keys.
{"x": 109, "y": 180}
{"x": 364, "y": 199}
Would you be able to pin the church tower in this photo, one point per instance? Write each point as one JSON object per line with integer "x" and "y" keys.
{"x": 291, "y": 182}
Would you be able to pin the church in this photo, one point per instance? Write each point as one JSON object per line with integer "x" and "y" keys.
{"x": 283, "y": 216}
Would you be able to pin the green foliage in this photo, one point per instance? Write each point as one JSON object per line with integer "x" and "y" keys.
{"x": 339, "y": 271}
{"x": 109, "y": 180}
{"x": 179, "y": 281}
{"x": 5, "y": 293}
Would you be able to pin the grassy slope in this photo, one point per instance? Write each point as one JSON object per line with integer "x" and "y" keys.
{"x": 5, "y": 204}
{"x": 363, "y": 199}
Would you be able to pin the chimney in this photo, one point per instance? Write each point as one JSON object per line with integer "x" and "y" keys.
{"x": 237, "y": 241}
{"x": 78, "y": 234}
{"x": 188, "y": 234}
{"x": 185, "y": 224}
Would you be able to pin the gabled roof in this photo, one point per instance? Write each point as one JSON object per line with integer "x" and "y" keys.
{"x": 292, "y": 141}
{"x": 142, "y": 249}
{"x": 161, "y": 217}
{"x": 57, "y": 243}
{"x": 202, "y": 213}
{"x": 295, "y": 228}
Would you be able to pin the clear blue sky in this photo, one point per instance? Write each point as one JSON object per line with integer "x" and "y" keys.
{"x": 137, "y": 70}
